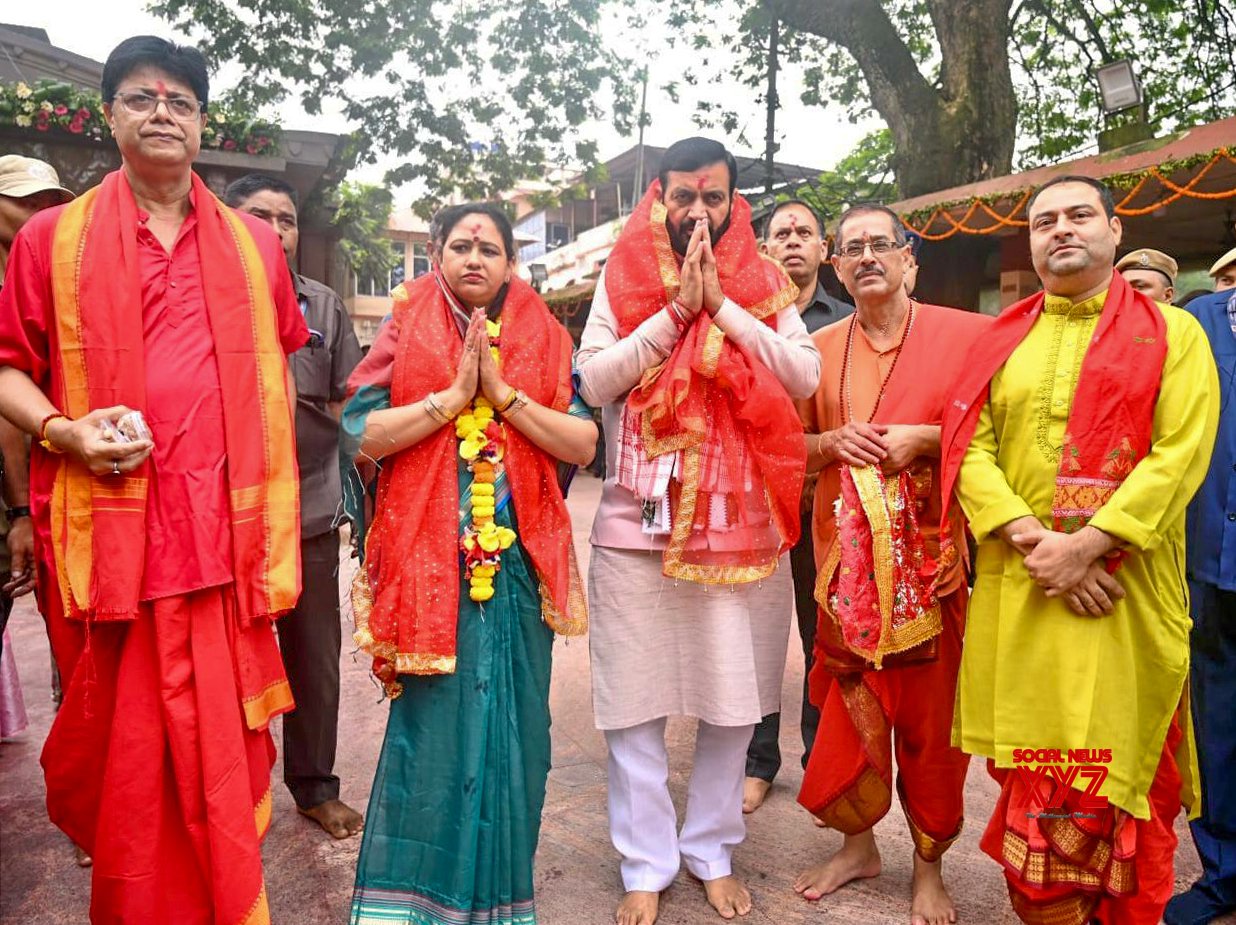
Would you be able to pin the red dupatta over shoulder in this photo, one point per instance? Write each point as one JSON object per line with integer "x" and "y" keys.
{"x": 99, "y": 343}
{"x": 724, "y": 411}
{"x": 98, "y": 523}
{"x": 407, "y": 594}
{"x": 1110, "y": 423}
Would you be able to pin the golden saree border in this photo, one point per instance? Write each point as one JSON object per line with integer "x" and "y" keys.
{"x": 673, "y": 564}
{"x": 263, "y": 812}
{"x": 403, "y": 662}
{"x": 73, "y": 550}
{"x": 928, "y": 848}
{"x": 266, "y": 704}
{"x": 276, "y": 500}
{"x": 867, "y": 798}
{"x": 1077, "y": 909}
{"x": 860, "y": 806}
{"x": 259, "y": 912}
{"x": 574, "y": 622}
{"x": 667, "y": 265}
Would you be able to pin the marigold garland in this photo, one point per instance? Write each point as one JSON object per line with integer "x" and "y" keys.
{"x": 921, "y": 221}
{"x": 482, "y": 443}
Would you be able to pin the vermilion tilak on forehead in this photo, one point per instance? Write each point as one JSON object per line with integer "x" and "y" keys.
{"x": 700, "y": 180}
{"x": 160, "y": 88}
{"x": 476, "y": 232}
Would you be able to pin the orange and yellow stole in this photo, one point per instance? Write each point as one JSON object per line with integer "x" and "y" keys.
{"x": 714, "y": 404}
{"x": 98, "y": 523}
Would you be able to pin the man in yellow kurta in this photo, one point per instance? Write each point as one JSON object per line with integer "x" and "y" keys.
{"x": 1079, "y": 433}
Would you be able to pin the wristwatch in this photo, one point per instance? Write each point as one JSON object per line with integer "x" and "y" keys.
{"x": 14, "y": 512}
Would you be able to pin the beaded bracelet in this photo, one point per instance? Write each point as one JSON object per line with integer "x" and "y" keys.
{"x": 43, "y": 441}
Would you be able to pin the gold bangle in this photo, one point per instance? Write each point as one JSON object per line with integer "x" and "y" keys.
{"x": 819, "y": 445}
{"x": 435, "y": 410}
{"x": 518, "y": 404}
{"x": 510, "y": 400}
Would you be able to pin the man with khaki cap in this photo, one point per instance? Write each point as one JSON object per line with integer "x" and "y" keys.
{"x": 1150, "y": 271}
{"x": 1223, "y": 271}
{"x": 26, "y": 186}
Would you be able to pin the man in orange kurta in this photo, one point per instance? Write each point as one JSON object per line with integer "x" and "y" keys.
{"x": 891, "y": 588}
{"x": 168, "y": 555}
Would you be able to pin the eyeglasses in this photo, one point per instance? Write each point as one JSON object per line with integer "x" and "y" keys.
{"x": 854, "y": 249}
{"x": 182, "y": 108}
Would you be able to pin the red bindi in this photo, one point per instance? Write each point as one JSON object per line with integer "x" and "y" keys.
{"x": 793, "y": 221}
{"x": 699, "y": 183}
{"x": 160, "y": 88}
{"x": 476, "y": 232}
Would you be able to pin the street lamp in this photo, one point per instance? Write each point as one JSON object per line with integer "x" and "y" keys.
{"x": 1124, "y": 106}
{"x": 1118, "y": 86}
{"x": 540, "y": 275}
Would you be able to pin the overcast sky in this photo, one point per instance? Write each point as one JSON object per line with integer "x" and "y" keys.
{"x": 812, "y": 137}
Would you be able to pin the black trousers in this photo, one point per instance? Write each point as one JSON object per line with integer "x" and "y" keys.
{"x": 764, "y": 753}
{"x": 310, "y": 638}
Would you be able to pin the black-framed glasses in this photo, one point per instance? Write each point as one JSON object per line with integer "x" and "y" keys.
{"x": 182, "y": 108}
{"x": 854, "y": 249}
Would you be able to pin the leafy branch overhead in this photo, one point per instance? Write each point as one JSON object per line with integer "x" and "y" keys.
{"x": 970, "y": 90}
{"x": 361, "y": 216}
{"x": 476, "y": 95}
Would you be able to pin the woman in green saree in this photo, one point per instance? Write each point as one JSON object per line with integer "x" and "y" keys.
{"x": 466, "y": 404}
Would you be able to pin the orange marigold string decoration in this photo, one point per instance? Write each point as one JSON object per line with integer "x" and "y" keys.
{"x": 482, "y": 442}
{"x": 1175, "y": 191}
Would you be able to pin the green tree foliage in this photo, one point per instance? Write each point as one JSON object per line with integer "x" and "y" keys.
{"x": 907, "y": 59}
{"x": 863, "y": 175}
{"x": 361, "y": 216}
{"x": 477, "y": 95}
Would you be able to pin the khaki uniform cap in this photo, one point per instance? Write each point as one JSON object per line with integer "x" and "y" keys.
{"x": 25, "y": 176}
{"x": 1149, "y": 259}
{"x": 1223, "y": 262}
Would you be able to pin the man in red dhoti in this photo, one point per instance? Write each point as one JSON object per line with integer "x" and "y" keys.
{"x": 891, "y": 585}
{"x": 166, "y": 557}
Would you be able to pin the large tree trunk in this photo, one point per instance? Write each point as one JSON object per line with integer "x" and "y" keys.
{"x": 958, "y": 132}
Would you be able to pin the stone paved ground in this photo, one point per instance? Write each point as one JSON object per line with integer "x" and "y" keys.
{"x": 309, "y": 875}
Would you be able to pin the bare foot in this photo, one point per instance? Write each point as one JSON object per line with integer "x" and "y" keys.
{"x": 931, "y": 904}
{"x": 754, "y": 793}
{"x": 336, "y": 817}
{"x": 83, "y": 859}
{"x": 639, "y": 907}
{"x": 728, "y": 896}
{"x": 858, "y": 859}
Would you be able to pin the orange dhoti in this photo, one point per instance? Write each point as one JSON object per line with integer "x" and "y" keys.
{"x": 866, "y": 715}
{"x": 1096, "y": 866}
{"x": 159, "y": 767}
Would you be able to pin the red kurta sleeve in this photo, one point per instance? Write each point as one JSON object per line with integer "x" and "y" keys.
{"x": 26, "y": 303}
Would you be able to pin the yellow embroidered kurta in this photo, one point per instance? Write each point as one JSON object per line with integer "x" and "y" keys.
{"x": 1034, "y": 674}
